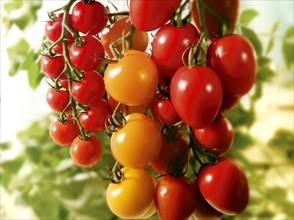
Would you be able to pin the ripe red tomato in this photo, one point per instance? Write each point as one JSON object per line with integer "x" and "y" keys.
{"x": 88, "y": 56}
{"x": 233, "y": 59}
{"x": 174, "y": 198}
{"x": 202, "y": 209}
{"x": 86, "y": 153}
{"x": 53, "y": 28}
{"x": 57, "y": 100}
{"x": 196, "y": 94}
{"x": 120, "y": 28}
{"x": 63, "y": 134}
{"x": 145, "y": 15}
{"x": 95, "y": 119}
{"x": 89, "y": 18}
{"x": 229, "y": 102}
{"x": 217, "y": 137}
{"x": 90, "y": 90}
{"x": 133, "y": 79}
{"x": 169, "y": 157}
{"x": 137, "y": 143}
{"x": 168, "y": 46}
{"x": 220, "y": 16}
{"x": 52, "y": 67}
{"x": 224, "y": 186}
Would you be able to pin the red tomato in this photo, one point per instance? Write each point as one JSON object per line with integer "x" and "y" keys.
{"x": 89, "y": 18}
{"x": 217, "y": 137}
{"x": 117, "y": 30}
{"x": 90, "y": 90}
{"x": 224, "y": 186}
{"x": 203, "y": 211}
{"x": 95, "y": 119}
{"x": 63, "y": 134}
{"x": 145, "y": 14}
{"x": 174, "y": 198}
{"x": 88, "y": 56}
{"x": 86, "y": 153}
{"x": 233, "y": 59}
{"x": 196, "y": 94}
{"x": 52, "y": 67}
{"x": 229, "y": 102}
{"x": 168, "y": 46}
{"x": 220, "y": 16}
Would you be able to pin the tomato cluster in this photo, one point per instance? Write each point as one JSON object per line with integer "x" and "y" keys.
{"x": 162, "y": 104}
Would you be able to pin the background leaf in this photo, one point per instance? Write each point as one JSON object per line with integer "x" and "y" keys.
{"x": 247, "y": 16}
{"x": 253, "y": 38}
{"x": 288, "y": 47}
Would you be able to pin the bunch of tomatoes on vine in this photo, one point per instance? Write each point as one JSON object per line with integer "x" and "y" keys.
{"x": 157, "y": 78}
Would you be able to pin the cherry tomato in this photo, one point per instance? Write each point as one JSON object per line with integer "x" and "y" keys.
{"x": 145, "y": 15}
{"x": 173, "y": 155}
{"x": 133, "y": 79}
{"x": 52, "y": 66}
{"x": 203, "y": 211}
{"x": 217, "y": 137}
{"x": 168, "y": 46}
{"x": 89, "y": 18}
{"x": 224, "y": 186}
{"x": 174, "y": 198}
{"x": 131, "y": 198}
{"x": 86, "y": 153}
{"x": 120, "y": 28}
{"x": 63, "y": 134}
{"x": 229, "y": 102}
{"x": 233, "y": 59}
{"x": 220, "y": 16}
{"x": 88, "y": 56}
{"x": 94, "y": 120}
{"x": 90, "y": 90}
{"x": 137, "y": 143}
{"x": 196, "y": 94}
{"x": 53, "y": 28}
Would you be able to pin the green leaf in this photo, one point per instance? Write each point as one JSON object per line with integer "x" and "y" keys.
{"x": 270, "y": 45}
{"x": 288, "y": 47}
{"x": 238, "y": 116}
{"x": 34, "y": 154}
{"x": 12, "y": 5}
{"x": 265, "y": 74}
{"x": 5, "y": 180}
{"x": 12, "y": 166}
{"x": 253, "y": 38}
{"x": 275, "y": 27}
{"x": 5, "y": 146}
{"x": 262, "y": 61}
{"x": 242, "y": 140}
{"x": 247, "y": 16}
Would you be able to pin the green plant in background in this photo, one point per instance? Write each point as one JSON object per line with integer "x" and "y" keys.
{"x": 42, "y": 175}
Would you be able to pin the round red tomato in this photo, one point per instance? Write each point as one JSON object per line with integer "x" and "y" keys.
{"x": 229, "y": 102}
{"x": 168, "y": 46}
{"x": 196, "y": 94}
{"x": 133, "y": 79}
{"x": 220, "y": 16}
{"x": 89, "y": 18}
{"x": 224, "y": 186}
{"x": 233, "y": 59}
{"x": 120, "y": 28}
{"x": 88, "y": 56}
{"x": 89, "y": 90}
{"x": 86, "y": 153}
{"x": 174, "y": 198}
{"x": 52, "y": 66}
{"x": 152, "y": 14}
{"x": 217, "y": 137}
{"x": 63, "y": 134}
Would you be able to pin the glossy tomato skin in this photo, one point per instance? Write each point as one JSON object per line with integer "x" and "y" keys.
{"x": 145, "y": 15}
{"x": 174, "y": 198}
{"x": 86, "y": 153}
{"x": 137, "y": 143}
{"x": 224, "y": 186}
{"x": 233, "y": 59}
{"x": 63, "y": 134}
{"x": 90, "y": 18}
{"x": 227, "y": 9}
{"x": 203, "y": 211}
{"x": 57, "y": 100}
{"x": 133, "y": 79}
{"x": 131, "y": 198}
{"x": 196, "y": 94}
{"x": 88, "y": 56}
{"x": 168, "y": 46}
{"x": 117, "y": 30}
{"x": 229, "y": 102}
{"x": 52, "y": 66}
{"x": 90, "y": 90}
{"x": 217, "y": 137}
{"x": 95, "y": 119}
